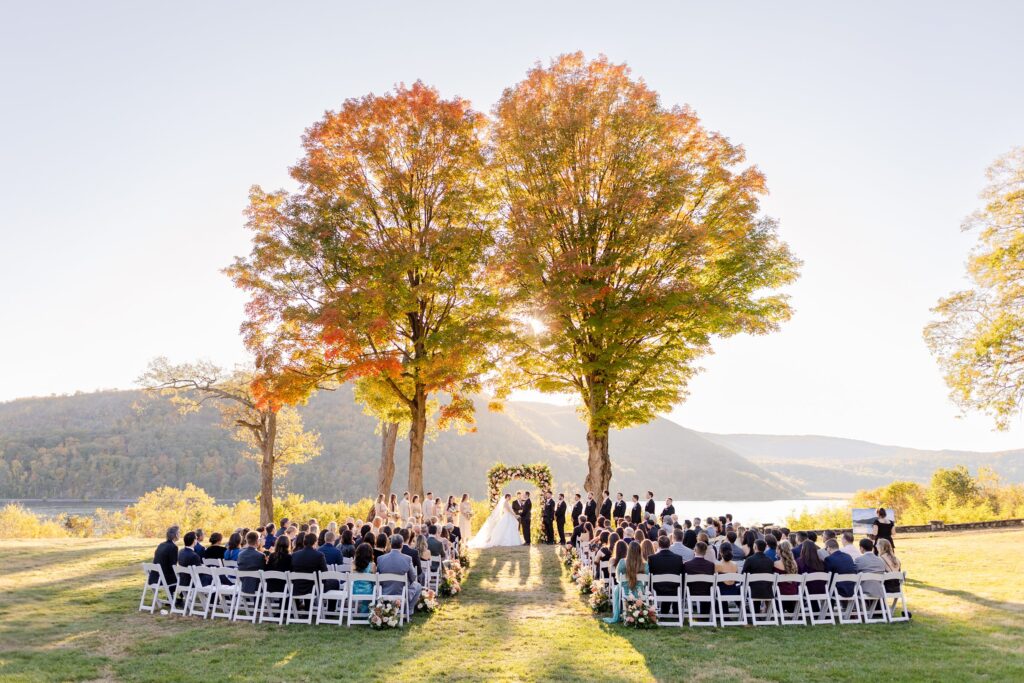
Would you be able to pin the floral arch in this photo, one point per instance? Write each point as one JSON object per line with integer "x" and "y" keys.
{"x": 500, "y": 474}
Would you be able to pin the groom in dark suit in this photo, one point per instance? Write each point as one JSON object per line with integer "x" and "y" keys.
{"x": 560, "y": 517}
{"x": 548, "y": 515}
{"x": 517, "y": 508}
{"x": 524, "y": 520}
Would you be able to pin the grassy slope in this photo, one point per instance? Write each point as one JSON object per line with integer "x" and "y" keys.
{"x": 67, "y": 612}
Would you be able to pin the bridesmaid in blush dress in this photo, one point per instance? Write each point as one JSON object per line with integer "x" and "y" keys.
{"x": 466, "y": 516}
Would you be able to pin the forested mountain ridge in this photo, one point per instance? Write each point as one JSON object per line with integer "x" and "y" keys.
{"x": 120, "y": 444}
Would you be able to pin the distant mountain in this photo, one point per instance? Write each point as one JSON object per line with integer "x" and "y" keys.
{"x": 99, "y": 445}
{"x": 826, "y": 463}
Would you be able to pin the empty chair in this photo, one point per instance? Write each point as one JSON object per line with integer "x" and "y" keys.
{"x": 872, "y": 599}
{"x": 848, "y": 607}
{"x": 301, "y": 598}
{"x": 818, "y": 603}
{"x": 391, "y": 582}
{"x": 673, "y": 600}
{"x": 152, "y": 588}
{"x": 733, "y": 595}
{"x": 332, "y": 598}
{"x": 274, "y": 599}
{"x": 182, "y": 597}
{"x": 699, "y": 596}
{"x": 760, "y": 599}
{"x": 206, "y": 584}
{"x": 790, "y": 605}
{"x": 246, "y": 602}
{"x": 893, "y": 585}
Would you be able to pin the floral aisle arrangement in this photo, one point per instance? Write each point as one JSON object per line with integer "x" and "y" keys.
{"x": 638, "y": 613}
{"x": 584, "y": 581}
{"x": 385, "y": 614}
{"x": 450, "y": 584}
{"x": 428, "y": 602}
{"x": 600, "y": 599}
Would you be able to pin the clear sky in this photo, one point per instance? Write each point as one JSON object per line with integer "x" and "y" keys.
{"x": 131, "y": 133}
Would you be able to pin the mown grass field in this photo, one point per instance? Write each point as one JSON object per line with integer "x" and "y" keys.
{"x": 68, "y": 612}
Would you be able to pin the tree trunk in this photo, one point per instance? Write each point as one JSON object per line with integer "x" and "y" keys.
{"x": 267, "y": 472}
{"x": 599, "y": 464}
{"x": 417, "y": 434}
{"x": 389, "y": 434}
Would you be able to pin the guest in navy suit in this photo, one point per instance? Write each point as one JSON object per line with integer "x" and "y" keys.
{"x": 307, "y": 560}
{"x": 166, "y": 556}
{"x": 330, "y": 552}
{"x": 839, "y": 562}
{"x": 251, "y": 559}
{"x": 188, "y": 557}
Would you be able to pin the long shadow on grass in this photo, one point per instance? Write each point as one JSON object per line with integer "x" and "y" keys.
{"x": 1007, "y": 605}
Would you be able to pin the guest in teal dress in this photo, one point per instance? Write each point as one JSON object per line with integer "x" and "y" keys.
{"x": 627, "y": 585}
{"x": 362, "y": 563}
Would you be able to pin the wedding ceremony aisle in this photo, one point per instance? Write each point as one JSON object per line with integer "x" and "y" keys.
{"x": 68, "y": 612}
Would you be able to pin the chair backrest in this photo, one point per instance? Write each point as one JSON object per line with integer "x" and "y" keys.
{"x": 845, "y": 578}
{"x": 667, "y": 578}
{"x": 310, "y": 577}
{"x": 151, "y": 568}
{"x": 275, "y": 576}
{"x": 824, "y": 577}
{"x": 212, "y": 563}
{"x": 183, "y": 572}
{"x": 397, "y": 578}
{"x": 208, "y": 571}
{"x": 691, "y": 579}
{"x": 894, "y": 576}
{"x": 790, "y": 578}
{"x": 737, "y": 579}
{"x": 230, "y": 563}
{"x": 761, "y": 578}
{"x": 331, "y": 576}
{"x": 240, "y": 575}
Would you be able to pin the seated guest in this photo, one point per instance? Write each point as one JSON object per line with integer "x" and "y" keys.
{"x": 215, "y": 551}
{"x": 280, "y": 560}
{"x": 690, "y": 538}
{"x": 454, "y": 532}
{"x": 839, "y": 562}
{"x": 434, "y": 543}
{"x": 737, "y": 549}
{"x": 848, "y": 547}
{"x": 409, "y": 550}
{"x": 269, "y": 537}
{"x": 747, "y": 544}
{"x": 759, "y": 563}
{"x": 166, "y": 555}
{"x": 699, "y": 566}
{"x": 711, "y": 553}
{"x": 321, "y": 538}
{"x": 199, "y": 548}
{"x": 665, "y": 562}
{"x": 679, "y": 546}
{"x": 307, "y": 560}
{"x": 786, "y": 564}
{"x": 345, "y": 546}
{"x": 627, "y": 584}
{"x": 809, "y": 562}
{"x": 251, "y": 559}
{"x": 711, "y": 528}
{"x": 188, "y": 557}
{"x": 234, "y": 547}
{"x": 328, "y": 549}
{"x": 283, "y": 529}
{"x": 396, "y": 562}
{"x": 646, "y": 549}
{"x": 727, "y": 566}
{"x": 619, "y": 553}
{"x": 869, "y": 563}
{"x": 892, "y": 563}
{"x": 362, "y": 563}
{"x": 380, "y": 545}
{"x": 773, "y": 546}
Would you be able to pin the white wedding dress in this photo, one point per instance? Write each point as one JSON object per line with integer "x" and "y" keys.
{"x": 500, "y": 529}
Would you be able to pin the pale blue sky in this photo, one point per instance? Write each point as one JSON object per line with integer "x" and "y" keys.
{"x": 130, "y": 133}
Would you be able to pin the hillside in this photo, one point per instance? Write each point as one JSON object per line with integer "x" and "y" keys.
{"x": 825, "y": 463}
{"x": 118, "y": 444}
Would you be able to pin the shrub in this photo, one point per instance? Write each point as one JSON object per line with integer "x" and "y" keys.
{"x": 17, "y": 522}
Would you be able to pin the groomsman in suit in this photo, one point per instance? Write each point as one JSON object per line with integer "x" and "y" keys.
{"x": 517, "y": 507}
{"x": 560, "y": 517}
{"x": 577, "y": 512}
{"x": 591, "y": 509}
{"x": 548, "y": 516}
{"x": 637, "y": 511}
{"x": 649, "y": 506}
{"x": 667, "y": 511}
{"x": 526, "y": 510}
{"x": 620, "y": 507}
{"x": 606, "y": 506}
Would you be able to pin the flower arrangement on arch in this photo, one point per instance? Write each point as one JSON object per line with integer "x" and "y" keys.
{"x": 638, "y": 613}
{"x": 385, "y": 614}
{"x": 428, "y": 602}
{"x": 500, "y": 473}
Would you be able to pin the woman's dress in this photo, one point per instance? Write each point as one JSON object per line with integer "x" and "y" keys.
{"x": 500, "y": 529}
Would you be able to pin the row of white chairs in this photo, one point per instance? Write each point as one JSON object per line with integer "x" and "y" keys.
{"x": 219, "y": 592}
{"x": 728, "y": 599}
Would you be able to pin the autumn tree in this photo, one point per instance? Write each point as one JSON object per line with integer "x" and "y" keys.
{"x": 979, "y": 336}
{"x": 380, "y": 401}
{"x": 633, "y": 238}
{"x": 379, "y": 264}
{"x": 274, "y": 436}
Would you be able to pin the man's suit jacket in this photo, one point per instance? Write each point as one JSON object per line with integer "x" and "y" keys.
{"x": 560, "y": 511}
{"x": 307, "y": 560}
{"x": 436, "y": 548}
{"x": 699, "y": 565}
{"x": 548, "y": 514}
{"x": 635, "y": 513}
{"x": 620, "y": 509}
{"x": 649, "y": 507}
{"x": 251, "y": 560}
{"x": 517, "y": 506}
{"x": 841, "y": 563}
{"x": 526, "y": 511}
{"x": 187, "y": 557}
{"x": 166, "y": 555}
{"x": 331, "y": 554}
{"x": 591, "y": 511}
{"x": 682, "y": 551}
{"x": 200, "y": 550}
{"x": 667, "y": 512}
{"x": 759, "y": 563}
{"x": 577, "y": 512}
{"x": 395, "y": 562}
{"x": 606, "y": 508}
{"x": 665, "y": 562}
{"x": 411, "y": 553}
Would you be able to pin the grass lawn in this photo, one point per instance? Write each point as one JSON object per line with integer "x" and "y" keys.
{"x": 68, "y": 612}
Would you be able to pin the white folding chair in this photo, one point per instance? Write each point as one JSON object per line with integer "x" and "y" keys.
{"x": 761, "y": 610}
{"x": 675, "y": 598}
{"x": 824, "y": 614}
{"x": 333, "y": 597}
{"x": 797, "y": 616}
{"x": 848, "y": 608}
{"x": 204, "y": 591}
{"x": 183, "y": 590}
{"x": 435, "y": 575}
{"x": 223, "y": 593}
{"x": 694, "y": 613}
{"x": 274, "y": 603}
{"x": 725, "y": 616}
{"x": 230, "y": 563}
{"x": 873, "y": 607}
{"x": 246, "y": 603}
{"x": 346, "y": 565}
{"x": 154, "y": 581}
{"x": 401, "y": 598}
{"x": 212, "y": 563}
{"x": 356, "y": 599}
{"x": 301, "y": 605}
{"x": 897, "y": 597}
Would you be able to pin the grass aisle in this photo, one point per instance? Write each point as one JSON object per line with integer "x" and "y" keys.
{"x": 68, "y": 612}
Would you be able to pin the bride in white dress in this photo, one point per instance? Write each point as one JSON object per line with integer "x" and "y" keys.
{"x": 500, "y": 529}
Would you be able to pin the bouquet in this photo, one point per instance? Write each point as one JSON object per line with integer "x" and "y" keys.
{"x": 585, "y": 580}
{"x": 639, "y": 614}
{"x": 428, "y": 602}
{"x": 385, "y": 614}
{"x": 456, "y": 566}
{"x": 600, "y": 600}
{"x": 449, "y": 583}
